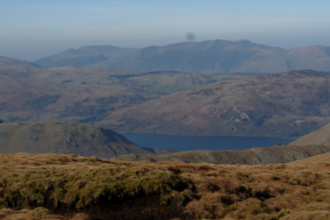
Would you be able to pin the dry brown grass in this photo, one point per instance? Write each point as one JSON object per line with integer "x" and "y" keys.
{"x": 198, "y": 191}
{"x": 314, "y": 159}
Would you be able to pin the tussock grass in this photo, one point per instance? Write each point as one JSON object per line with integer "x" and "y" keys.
{"x": 75, "y": 187}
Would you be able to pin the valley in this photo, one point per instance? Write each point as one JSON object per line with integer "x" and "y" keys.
{"x": 62, "y": 158}
{"x": 164, "y": 110}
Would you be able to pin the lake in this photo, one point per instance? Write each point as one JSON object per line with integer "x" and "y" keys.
{"x": 185, "y": 143}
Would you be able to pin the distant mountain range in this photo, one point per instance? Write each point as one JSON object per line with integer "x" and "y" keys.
{"x": 6, "y": 62}
{"x": 82, "y": 57}
{"x": 217, "y": 56}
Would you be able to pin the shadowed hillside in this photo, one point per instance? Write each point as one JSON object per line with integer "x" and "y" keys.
{"x": 77, "y": 188}
{"x": 254, "y": 156}
{"x": 65, "y": 138}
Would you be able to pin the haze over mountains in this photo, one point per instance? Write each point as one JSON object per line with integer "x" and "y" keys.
{"x": 5, "y": 62}
{"x": 217, "y": 56}
{"x": 81, "y": 57}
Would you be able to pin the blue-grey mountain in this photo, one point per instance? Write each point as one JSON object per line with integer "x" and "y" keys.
{"x": 220, "y": 56}
{"x": 82, "y": 57}
{"x": 9, "y": 62}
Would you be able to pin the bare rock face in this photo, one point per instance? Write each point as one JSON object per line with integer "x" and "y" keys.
{"x": 65, "y": 138}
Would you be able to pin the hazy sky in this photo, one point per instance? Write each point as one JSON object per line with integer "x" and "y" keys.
{"x": 37, "y": 28}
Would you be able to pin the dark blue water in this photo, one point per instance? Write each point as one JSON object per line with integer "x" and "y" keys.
{"x": 185, "y": 143}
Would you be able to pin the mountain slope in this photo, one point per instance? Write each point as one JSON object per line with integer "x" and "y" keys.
{"x": 216, "y": 56}
{"x": 314, "y": 159}
{"x": 312, "y": 57}
{"x": 320, "y": 136}
{"x": 5, "y": 61}
{"x": 81, "y": 57}
{"x": 85, "y": 94}
{"x": 64, "y": 138}
{"x": 281, "y": 105}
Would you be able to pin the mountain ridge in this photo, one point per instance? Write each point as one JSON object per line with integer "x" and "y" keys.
{"x": 188, "y": 55}
{"x": 7, "y": 62}
{"x": 81, "y": 57}
{"x": 221, "y": 56}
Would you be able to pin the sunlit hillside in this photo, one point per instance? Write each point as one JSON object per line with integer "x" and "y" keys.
{"x": 70, "y": 187}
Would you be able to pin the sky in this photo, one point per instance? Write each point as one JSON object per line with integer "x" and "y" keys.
{"x": 35, "y": 29}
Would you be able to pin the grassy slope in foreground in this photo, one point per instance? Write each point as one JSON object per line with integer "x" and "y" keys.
{"x": 271, "y": 155}
{"x": 65, "y": 138}
{"x": 314, "y": 159}
{"x": 70, "y": 187}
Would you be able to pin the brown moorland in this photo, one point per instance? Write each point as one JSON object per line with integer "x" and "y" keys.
{"x": 320, "y": 136}
{"x": 283, "y": 105}
{"x": 254, "y": 156}
{"x": 66, "y": 138}
{"x": 314, "y": 159}
{"x": 70, "y": 187}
